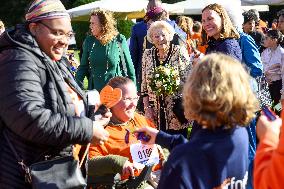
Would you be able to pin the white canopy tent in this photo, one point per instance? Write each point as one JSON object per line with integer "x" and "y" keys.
{"x": 137, "y": 8}
{"x": 122, "y": 8}
{"x": 194, "y": 7}
{"x": 262, "y": 2}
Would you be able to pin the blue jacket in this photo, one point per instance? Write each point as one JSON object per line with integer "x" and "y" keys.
{"x": 250, "y": 55}
{"x": 139, "y": 31}
{"x": 210, "y": 159}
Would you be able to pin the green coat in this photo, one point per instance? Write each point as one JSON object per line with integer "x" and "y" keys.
{"x": 100, "y": 62}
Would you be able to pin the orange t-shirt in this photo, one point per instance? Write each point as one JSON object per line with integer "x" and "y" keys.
{"x": 197, "y": 38}
{"x": 116, "y": 143}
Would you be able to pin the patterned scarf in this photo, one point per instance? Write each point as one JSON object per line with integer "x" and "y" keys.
{"x": 46, "y": 9}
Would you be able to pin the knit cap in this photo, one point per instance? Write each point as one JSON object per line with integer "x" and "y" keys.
{"x": 46, "y": 9}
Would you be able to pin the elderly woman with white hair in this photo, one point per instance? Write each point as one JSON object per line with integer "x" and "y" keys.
{"x": 159, "y": 108}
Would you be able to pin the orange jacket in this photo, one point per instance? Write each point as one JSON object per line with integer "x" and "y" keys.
{"x": 269, "y": 161}
{"x": 116, "y": 144}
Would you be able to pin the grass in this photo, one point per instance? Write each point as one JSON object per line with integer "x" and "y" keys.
{"x": 76, "y": 52}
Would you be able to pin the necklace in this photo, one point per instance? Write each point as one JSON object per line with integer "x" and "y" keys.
{"x": 162, "y": 59}
{"x": 165, "y": 54}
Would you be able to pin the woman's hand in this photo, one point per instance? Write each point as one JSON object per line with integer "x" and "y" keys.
{"x": 100, "y": 135}
{"x": 265, "y": 127}
{"x": 152, "y": 132}
{"x": 128, "y": 169}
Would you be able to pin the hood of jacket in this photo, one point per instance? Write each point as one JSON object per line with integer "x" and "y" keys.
{"x": 21, "y": 37}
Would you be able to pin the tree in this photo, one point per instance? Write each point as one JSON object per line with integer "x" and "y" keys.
{"x": 81, "y": 2}
{"x": 171, "y": 1}
{"x": 12, "y": 11}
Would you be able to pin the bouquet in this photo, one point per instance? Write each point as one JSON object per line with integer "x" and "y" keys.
{"x": 164, "y": 80}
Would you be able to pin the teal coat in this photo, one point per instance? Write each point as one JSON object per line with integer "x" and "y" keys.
{"x": 100, "y": 62}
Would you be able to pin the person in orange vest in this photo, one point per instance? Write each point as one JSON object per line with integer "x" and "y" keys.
{"x": 269, "y": 158}
{"x": 123, "y": 153}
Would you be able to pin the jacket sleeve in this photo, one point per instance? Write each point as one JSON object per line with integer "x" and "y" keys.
{"x": 232, "y": 48}
{"x": 169, "y": 141}
{"x": 24, "y": 109}
{"x": 134, "y": 48}
{"x": 128, "y": 60}
{"x": 83, "y": 69}
{"x": 268, "y": 163}
{"x": 251, "y": 56}
{"x": 173, "y": 177}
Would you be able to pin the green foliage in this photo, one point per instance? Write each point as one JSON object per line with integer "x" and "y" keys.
{"x": 12, "y": 12}
{"x": 81, "y": 2}
{"x": 68, "y": 3}
{"x": 81, "y": 28}
{"x": 124, "y": 27}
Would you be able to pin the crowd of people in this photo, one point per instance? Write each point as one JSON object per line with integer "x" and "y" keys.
{"x": 188, "y": 102}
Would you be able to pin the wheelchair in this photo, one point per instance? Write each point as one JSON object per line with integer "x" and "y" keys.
{"x": 113, "y": 181}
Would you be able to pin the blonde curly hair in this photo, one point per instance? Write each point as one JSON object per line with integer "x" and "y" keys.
{"x": 108, "y": 24}
{"x": 218, "y": 93}
{"x": 185, "y": 23}
{"x": 228, "y": 30}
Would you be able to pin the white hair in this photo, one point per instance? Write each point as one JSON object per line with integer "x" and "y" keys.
{"x": 160, "y": 25}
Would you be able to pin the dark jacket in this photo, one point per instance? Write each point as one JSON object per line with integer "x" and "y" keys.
{"x": 227, "y": 46}
{"x": 29, "y": 109}
{"x": 138, "y": 32}
{"x": 210, "y": 159}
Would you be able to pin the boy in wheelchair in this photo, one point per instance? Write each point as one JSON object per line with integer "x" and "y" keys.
{"x": 123, "y": 161}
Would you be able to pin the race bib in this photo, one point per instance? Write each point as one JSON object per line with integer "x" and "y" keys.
{"x": 144, "y": 154}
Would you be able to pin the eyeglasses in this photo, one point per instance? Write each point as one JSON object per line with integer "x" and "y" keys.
{"x": 59, "y": 35}
{"x": 129, "y": 99}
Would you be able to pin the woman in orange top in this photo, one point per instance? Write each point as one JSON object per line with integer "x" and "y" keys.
{"x": 193, "y": 39}
{"x": 117, "y": 154}
{"x": 269, "y": 158}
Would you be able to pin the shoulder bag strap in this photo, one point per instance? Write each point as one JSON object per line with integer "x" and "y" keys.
{"x": 122, "y": 58}
{"x": 20, "y": 160}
